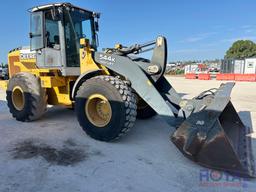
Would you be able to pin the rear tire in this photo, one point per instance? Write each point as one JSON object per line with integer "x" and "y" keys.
{"x": 118, "y": 115}
{"x": 26, "y": 99}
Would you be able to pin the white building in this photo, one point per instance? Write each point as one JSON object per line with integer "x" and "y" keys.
{"x": 239, "y": 66}
{"x": 250, "y": 66}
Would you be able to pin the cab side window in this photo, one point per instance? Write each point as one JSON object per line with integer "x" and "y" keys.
{"x": 51, "y": 32}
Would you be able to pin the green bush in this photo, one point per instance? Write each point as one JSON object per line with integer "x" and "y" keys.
{"x": 179, "y": 71}
{"x": 176, "y": 72}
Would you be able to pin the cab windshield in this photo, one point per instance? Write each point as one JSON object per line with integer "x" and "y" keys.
{"x": 77, "y": 24}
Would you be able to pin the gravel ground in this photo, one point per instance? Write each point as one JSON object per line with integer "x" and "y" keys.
{"x": 54, "y": 154}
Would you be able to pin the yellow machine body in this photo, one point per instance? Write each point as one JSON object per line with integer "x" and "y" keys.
{"x": 57, "y": 86}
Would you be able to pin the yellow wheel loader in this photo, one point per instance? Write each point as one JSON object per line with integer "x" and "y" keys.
{"x": 109, "y": 89}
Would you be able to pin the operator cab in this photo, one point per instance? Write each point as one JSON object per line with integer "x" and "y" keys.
{"x": 55, "y": 33}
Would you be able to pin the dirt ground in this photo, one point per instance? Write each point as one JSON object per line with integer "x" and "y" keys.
{"x": 54, "y": 154}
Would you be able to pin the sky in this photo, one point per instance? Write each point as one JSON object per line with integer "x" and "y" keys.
{"x": 195, "y": 29}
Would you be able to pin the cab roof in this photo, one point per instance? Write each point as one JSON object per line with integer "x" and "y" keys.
{"x": 51, "y": 5}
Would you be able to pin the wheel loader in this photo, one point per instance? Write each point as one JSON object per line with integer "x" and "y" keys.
{"x": 108, "y": 89}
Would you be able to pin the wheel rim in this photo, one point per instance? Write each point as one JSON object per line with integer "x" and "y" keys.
{"x": 98, "y": 110}
{"x": 18, "y": 98}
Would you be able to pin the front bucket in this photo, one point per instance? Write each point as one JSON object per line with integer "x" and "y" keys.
{"x": 216, "y": 138}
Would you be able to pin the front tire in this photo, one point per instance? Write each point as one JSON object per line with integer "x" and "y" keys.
{"x": 26, "y": 99}
{"x": 105, "y": 107}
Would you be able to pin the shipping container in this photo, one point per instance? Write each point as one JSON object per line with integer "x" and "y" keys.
{"x": 250, "y": 66}
{"x": 239, "y": 66}
{"x": 227, "y": 66}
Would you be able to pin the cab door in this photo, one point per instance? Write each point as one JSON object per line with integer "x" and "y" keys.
{"x": 36, "y": 31}
{"x": 45, "y": 39}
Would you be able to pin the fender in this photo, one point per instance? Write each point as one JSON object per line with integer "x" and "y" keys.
{"x": 83, "y": 77}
